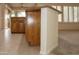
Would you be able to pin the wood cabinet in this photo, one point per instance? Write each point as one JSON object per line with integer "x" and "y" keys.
{"x": 17, "y": 25}
{"x": 32, "y": 28}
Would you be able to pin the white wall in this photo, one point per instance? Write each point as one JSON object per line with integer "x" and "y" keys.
{"x": 3, "y": 16}
{"x": 2, "y": 8}
{"x": 43, "y": 30}
{"x": 7, "y": 17}
{"x": 49, "y": 30}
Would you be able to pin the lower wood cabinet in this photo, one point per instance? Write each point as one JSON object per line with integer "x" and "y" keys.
{"x": 30, "y": 25}
{"x": 17, "y": 25}
{"x": 32, "y": 28}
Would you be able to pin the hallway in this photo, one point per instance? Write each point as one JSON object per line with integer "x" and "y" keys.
{"x": 12, "y": 44}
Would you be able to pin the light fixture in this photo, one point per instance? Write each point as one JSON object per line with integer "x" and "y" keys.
{"x": 22, "y": 6}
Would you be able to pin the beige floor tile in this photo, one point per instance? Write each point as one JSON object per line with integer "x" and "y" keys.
{"x": 15, "y": 44}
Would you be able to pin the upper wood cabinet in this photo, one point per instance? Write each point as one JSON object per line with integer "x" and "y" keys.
{"x": 17, "y": 24}
{"x": 32, "y": 27}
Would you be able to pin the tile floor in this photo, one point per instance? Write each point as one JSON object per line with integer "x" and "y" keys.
{"x": 68, "y": 43}
{"x": 13, "y": 44}
{"x": 16, "y": 44}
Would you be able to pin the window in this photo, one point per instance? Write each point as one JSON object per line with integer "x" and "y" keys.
{"x": 60, "y": 15}
{"x": 75, "y": 14}
{"x": 18, "y": 14}
{"x": 78, "y": 13}
{"x": 21, "y": 14}
{"x": 65, "y": 14}
{"x": 71, "y": 12}
{"x": 60, "y": 18}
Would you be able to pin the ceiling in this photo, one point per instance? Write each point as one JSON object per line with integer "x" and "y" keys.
{"x": 16, "y": 6}
{"x": 25, "y": 6}
{"x": 20, "y": 4}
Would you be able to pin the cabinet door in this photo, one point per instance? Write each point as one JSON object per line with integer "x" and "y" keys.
{"x": 33, "y": 27}
{"x": 36, "y": 28}
{"x": 21, "y": 27}
{"x": 14, "y": 26}
{"x": 17, "y": 25}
